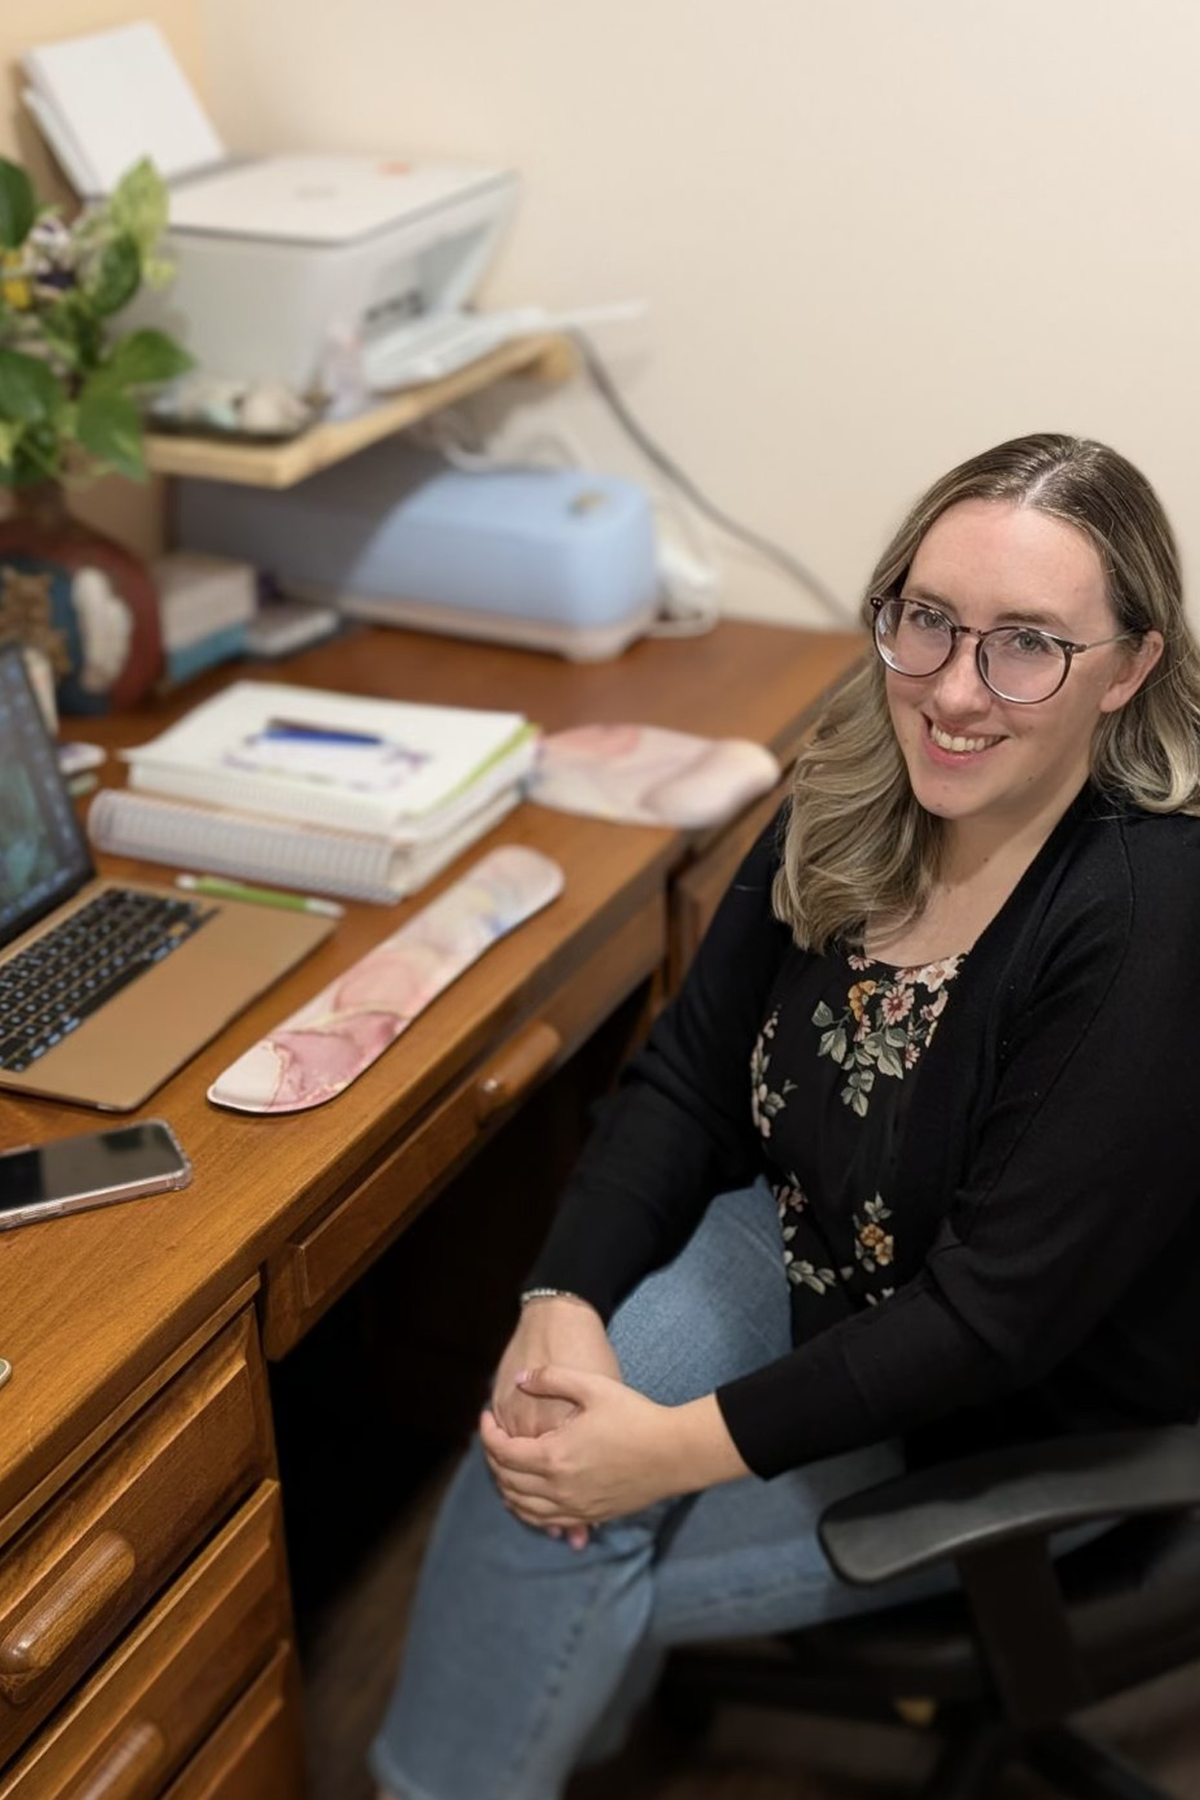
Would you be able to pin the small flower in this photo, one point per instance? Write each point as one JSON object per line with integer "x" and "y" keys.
{"x": 897, "y": 1004}
{"x": 790, "y": 1197}
{"x": 936, "y": 974}
{"x": 15, "y": 289}
{"x": 858, "y": 996}
{"x": 878, "y": 1244}
{"x": 858, "y": 963}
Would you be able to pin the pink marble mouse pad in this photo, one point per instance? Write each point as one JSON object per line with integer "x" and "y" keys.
{"x": 317, "y": 1052}
{"x": 645, "y": 775}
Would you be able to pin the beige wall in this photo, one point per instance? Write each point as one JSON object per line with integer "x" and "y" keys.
{"x": 875, "y": 236}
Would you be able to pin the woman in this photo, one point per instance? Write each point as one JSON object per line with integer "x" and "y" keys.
{"x": 934, "y": 1059}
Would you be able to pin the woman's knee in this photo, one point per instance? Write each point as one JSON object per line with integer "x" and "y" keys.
{"x": 718, "y": 1310}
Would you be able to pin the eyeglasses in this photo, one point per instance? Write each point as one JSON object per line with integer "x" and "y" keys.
{"x": 1017, "y": 662}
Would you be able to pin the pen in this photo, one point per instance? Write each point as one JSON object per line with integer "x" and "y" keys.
{"x": 220, "y": 889}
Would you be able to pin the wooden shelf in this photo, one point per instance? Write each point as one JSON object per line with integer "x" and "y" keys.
{"x": 543, "y": 357}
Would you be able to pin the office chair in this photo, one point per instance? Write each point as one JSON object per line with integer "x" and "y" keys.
{"x": 1026, "y": 1642}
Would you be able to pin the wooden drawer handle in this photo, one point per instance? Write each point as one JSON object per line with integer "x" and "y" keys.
{"x": 67, "y": 1611}
{"x": 130, "y": 1767}
{"x": 516, "y": 1068}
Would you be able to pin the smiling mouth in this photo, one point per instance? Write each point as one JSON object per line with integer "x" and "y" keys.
{"x": 961, "y": 746}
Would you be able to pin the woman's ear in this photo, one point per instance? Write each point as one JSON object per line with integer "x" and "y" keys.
{"x": 1138, "y": 664}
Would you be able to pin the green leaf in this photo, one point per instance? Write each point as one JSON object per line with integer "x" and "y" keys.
{"x": 9, "y": 435}
{"x": 109, "y": 427}
{"x": 72, "y": 331}
{"x": 822, "y": 1014}
{"x": 18, "y": 205}
{"x": 29, "y": 391}
{"x": 114, "y": 279}
{"x": 72, "y": 321}
{"x": 145, "y": 357}
{"x": 38, "y": 452}
{"x": 157, "y": 271}
{"x": 138, "y": 207}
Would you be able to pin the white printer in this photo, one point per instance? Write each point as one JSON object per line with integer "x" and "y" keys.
{"x": 283, "y": 264}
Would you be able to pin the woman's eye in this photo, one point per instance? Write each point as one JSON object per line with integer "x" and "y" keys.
{"x": 1029, "y": 643}
{"x": 924, "y": 618}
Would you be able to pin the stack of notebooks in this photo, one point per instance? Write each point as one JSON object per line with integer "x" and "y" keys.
{"x": 205, "y": 604}
{"x": 365, "y": 799}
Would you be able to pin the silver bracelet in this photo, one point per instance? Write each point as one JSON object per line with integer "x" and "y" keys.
{"x": 549, "y": 1293}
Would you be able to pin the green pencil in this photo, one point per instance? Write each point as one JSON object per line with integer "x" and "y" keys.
{"x": 220, "y": 889}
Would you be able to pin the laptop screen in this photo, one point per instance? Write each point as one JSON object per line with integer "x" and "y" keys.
{"x": 44, "y": 856}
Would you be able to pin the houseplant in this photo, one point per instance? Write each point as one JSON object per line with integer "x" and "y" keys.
{"x": 70, "y": 384}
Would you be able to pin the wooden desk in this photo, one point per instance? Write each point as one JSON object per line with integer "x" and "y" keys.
{"x": 145, "y": 1637}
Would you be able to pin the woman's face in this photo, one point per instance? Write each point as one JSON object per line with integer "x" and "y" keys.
{"x": 974, "y": 758}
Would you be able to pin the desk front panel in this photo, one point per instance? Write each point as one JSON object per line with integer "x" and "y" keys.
{"x": 158, "y": 1697}
{"x": 100, "y": 1552}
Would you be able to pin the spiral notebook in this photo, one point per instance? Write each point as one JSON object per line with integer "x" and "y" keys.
{"x": 250, "y": 847}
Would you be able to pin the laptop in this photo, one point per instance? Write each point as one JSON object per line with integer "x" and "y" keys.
{"x": 106, "y": 987}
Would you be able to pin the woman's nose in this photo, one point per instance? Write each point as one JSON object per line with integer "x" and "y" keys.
{"x": 960, "y": 688}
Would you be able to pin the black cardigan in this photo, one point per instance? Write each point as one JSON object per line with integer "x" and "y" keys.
{"x": 1047, "y": 1174}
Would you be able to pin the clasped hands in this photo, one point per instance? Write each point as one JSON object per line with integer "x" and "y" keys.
{"x": 604, "y": 1458}
{"x": 570, "y": 1445}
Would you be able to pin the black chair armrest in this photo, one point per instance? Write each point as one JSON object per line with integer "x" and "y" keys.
{"x": 1022, "y": 1491}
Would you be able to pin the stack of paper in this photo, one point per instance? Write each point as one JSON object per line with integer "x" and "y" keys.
{"x": 106, "y": 100}
{"x": 368, "y": 799}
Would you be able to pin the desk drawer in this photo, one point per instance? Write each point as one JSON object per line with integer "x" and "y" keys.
{"x": 94, "y": 1558}
{"x": 310, "y": 1273}
{"x": 256, "y": 1753}
{"x": 159, "y": 1695}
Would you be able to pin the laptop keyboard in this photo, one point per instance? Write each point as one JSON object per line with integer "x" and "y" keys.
{"x": 50, "y": 988}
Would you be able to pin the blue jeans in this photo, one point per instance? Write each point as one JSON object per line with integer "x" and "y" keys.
{"x": 524, "y": 1657}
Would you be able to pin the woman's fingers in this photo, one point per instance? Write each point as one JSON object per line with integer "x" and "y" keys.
{"x": 526, "y": 1489}
{"x": 505, "y": 1451}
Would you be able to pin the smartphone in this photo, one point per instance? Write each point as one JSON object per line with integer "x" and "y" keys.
{"x": 40, "y": 1181}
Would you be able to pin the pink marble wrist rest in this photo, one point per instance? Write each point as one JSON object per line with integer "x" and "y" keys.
{"x": 647, "y": 775}
{"x": 317, "y": 1052}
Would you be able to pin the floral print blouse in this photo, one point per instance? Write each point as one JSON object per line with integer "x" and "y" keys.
{"x": 831, "y": 1074}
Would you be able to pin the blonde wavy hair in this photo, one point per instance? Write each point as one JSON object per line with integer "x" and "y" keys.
{"x": 859, "y": 845}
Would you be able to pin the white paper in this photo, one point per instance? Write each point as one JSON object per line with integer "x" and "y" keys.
{"x": 118, "y": 96}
